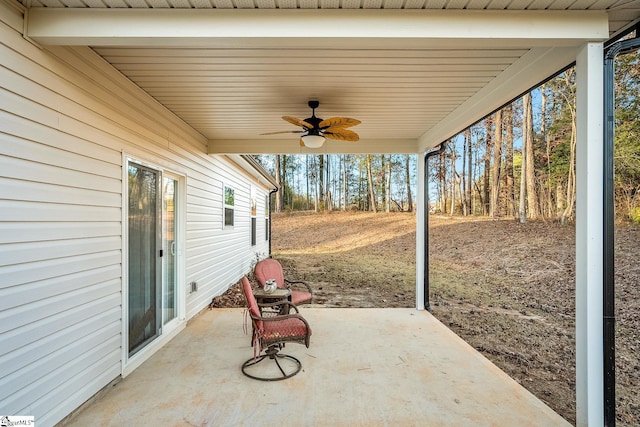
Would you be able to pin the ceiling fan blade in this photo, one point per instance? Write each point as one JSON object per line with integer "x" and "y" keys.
{"x": 342, "y": 135}
{"x": 297, "y": 122}
{"x": 284, "y": 131}
{"x": 342, "y": 122}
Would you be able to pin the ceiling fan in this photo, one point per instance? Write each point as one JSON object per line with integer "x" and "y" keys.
{"x": 316, "y": 129}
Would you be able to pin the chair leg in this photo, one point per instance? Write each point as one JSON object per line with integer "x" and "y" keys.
{"x": 272, "y": 353}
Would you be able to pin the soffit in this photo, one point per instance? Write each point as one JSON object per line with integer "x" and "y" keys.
{"x": 252, "y": 62}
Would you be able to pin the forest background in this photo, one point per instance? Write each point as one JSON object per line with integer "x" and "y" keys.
{"x": 518, "y": 162}
{"x": 506, "y": 287}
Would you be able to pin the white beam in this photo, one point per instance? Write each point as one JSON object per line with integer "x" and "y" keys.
{"x": 524, "y": 73}
{"x": 314, "y": 28}
{"x": 420, "y": 241}
{"x": 589, "y": 237}
{"x": 292, "y": 146}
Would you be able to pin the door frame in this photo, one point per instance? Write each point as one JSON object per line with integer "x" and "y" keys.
{"x": 169, "y": 331}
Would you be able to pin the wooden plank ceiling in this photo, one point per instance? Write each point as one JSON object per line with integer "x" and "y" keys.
{"x": 239, "y": 92}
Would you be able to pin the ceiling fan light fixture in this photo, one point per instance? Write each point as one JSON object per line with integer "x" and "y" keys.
{"x": 313, "y": 141}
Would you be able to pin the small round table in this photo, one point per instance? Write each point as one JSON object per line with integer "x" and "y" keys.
{"x": 277, "y": 295}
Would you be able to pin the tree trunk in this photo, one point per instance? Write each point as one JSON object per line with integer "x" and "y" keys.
{"x": 306, "y": 159}
{"x": 453, "y": 180}
{"x": 344, "y": 183}
{"x": 387, "y": 202}
{"x": 532, "y": 194}
{"x": 327, "y": 181}
{"x": 321, "y": 190}
{"x": 522, "y": 208}
{"x": 407, "y": 181}
{"x": 383, "y": 170}
{"x": 497, "y": 162}
{"x": 547, "y": 140}
{"x": 469, "y": 190}
{"x": 315, "y": 184}
{"x": 571, "y": 179}
{"x": 372, "y": 194}
{"x": 445, "y": 182}
{"x": 560, "y": 199}
{"x": 508, "y": 164}
{"x": 571, "y": 175}
{"x": 487, "y": 167}
{"x": 280, "y": 192}
{"x": 463, "y": 182}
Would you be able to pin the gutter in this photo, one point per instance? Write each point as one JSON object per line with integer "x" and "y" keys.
{"x": 427, "y": 156}
{"x": 608, "y": 282}
{"x": 259, "y": 169}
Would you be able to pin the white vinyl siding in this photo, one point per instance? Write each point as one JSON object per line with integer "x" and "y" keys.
{"x": 66, "y": 117}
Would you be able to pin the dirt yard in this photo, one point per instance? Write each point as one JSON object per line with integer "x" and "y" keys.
{"x": 505, "y": 288}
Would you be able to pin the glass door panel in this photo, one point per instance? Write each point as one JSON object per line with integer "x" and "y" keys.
{"x": 143, "y": 227}
{"x": 169, "y": 258}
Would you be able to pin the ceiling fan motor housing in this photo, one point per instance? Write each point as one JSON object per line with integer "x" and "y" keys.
{"x": 313, "y": 120}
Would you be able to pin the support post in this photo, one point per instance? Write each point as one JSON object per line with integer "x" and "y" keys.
{"x": 589, "y": 236}
{"x": 426, "y": 283}
{"x": 420, "y": 233}
{"x": 609, "y": 319}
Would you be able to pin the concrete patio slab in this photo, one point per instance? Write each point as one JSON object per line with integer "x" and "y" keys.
{"x": 373, "y": 367}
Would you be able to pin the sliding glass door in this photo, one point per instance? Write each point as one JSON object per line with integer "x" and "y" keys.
{"x": 153, "y": 254}
{"x": 144, "y": 251}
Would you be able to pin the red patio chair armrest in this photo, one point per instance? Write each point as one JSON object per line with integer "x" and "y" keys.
{"x": 288, "y": 283}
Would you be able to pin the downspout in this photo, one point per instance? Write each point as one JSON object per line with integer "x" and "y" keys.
{"x": 428, "y": 155}
{"x": 608, "y": 283}
{"x": 270, "y": 193}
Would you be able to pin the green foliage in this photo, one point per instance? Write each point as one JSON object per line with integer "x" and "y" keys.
{"x": 634, "y": 214}
{"x": 229, "y": 196}
{"x": 627, "y": 136}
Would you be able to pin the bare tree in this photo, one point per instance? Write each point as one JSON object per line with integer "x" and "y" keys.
{"x": 452, "y": 156}
{"x": 463, "y": 183}
{"x": 487, "y": 166}
{"x": 306, "y": 160}
{"x": 387, "y": 207}
{"x": 547, "y": 141}
{"x": 407, "y": 163}
{"x": 372, "y": 194}
{"x": 321, "y": 181}
{"x": 386, "y": 197}
{"x": 522, "y": 208}
{"x": 469, "y": 189}
{"x": 571, "y": 177}
{"x": 280, "y": 192}
{"x": 497, "y": 162}
{"x": 508, "y": 162}
{"x": 345, "y": 186}
{"x": 533, "y": 208}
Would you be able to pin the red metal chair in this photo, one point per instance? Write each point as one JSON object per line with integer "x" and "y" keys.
{"x": 269, "y": 268}
{"x": 271, "y": 331}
